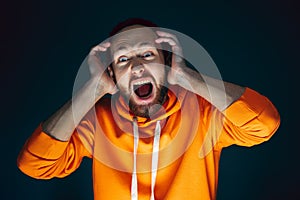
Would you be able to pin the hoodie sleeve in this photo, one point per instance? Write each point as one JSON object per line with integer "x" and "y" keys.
{"x": 44, "y": 157}
{"x": 250, "y": 120}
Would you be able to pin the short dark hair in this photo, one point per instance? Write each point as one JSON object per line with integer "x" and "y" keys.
{"x": 131, "y": 22}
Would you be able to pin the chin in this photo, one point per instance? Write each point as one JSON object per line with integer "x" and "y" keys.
{"x": 140, "y": 110}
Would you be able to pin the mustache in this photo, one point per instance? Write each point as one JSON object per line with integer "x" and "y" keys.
{"x": 144, "y": 76}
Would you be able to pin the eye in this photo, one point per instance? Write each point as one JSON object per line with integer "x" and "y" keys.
{"x": 123, "y": 59}
{"x": 147, "y": 54}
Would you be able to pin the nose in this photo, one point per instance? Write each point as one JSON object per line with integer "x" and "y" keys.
{"x": 137, "y": 69}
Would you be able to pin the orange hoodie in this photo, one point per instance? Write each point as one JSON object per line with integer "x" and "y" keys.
{"x": 192, "y": 135}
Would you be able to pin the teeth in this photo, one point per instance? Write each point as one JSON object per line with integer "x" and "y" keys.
{"x": 141, "y": 82}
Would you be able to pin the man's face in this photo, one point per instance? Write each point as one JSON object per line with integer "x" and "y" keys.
{"x": 139, "y": 71}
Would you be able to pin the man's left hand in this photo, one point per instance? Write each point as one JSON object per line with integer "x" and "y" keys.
{"x": 177, "y": 62}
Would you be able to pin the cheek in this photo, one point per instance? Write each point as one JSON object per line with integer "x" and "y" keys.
{"x": 159, "y": 76}
{"x": 158, "y": 70}
{"x": 122, "y": 79}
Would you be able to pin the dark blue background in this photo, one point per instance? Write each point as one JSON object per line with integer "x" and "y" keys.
{"x": 253, "y": 43}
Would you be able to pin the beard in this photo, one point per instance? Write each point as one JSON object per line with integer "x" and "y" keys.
{"x": 149, "y": 110}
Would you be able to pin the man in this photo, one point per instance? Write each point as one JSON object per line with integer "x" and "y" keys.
{"x": 160, "y": 134}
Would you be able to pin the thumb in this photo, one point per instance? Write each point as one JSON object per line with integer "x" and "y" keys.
{"x": 114, "y": 90}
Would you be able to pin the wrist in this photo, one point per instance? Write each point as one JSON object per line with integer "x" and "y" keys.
{"x": 96, "y": 87}
{"x": 180, "y": 77}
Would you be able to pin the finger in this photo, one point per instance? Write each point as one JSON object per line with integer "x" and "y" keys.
{"x": 176, "y": 49}
{"x": 165, "y": 34}
{"x": 177, "y": 53}
{"x": 164, "y": 39}
{"x": 105, "y": 44}
{"x": 101, "y": 46}
{"x": 97, "y": 49}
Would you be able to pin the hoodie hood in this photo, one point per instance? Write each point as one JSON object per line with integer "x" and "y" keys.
{"x": 113, "y": 139}
{"x": 145, "y": 127}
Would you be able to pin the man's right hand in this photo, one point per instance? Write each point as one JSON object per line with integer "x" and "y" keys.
{"x": 63, "y": 122}
{"x": 98, "y": 70}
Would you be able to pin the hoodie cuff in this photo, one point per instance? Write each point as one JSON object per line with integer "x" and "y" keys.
{"x": 44, "y": 146}
{"x": 246, "y": 108}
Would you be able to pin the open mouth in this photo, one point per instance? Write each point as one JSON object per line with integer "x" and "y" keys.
{"x": 143, "y": 89}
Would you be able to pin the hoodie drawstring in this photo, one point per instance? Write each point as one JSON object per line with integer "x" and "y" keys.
{"x": 134, "y": 189}
{"x": 155, "y": 154}
{"x": 154, "y": 165}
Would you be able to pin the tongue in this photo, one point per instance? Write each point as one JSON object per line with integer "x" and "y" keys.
{"x": 143, "y": 90}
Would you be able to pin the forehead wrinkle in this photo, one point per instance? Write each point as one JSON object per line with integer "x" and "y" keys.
{"x": 134, "y": 38}
{"x": 126, "y": 45}
{"x": 144, "y": 45}
{"x": 120, "y": 48}
{"x": 126, "y": 48}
